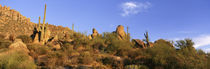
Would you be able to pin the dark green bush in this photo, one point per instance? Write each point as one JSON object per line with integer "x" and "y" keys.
{"x": 38, "y": 49}
{"x": 85, "y": 58}
{"x": 136, "y": 67}
{"x": 109, "y": 61}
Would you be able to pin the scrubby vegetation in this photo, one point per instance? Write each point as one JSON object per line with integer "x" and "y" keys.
{"x": 16, "y": 60}
{"x": 56, "y": 47}
{"x": 105, "y": 52}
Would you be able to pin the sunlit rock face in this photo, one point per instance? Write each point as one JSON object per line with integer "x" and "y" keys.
{"x": 120, "y": 32}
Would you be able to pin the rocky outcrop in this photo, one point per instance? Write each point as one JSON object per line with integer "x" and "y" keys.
{"x": 11, "y": 21}
{"x": 94, "y": 34}
{"x": 120, "y": 32}
{"x": 19, "y": 45}
{"x": 139, "y": 43}
{"x": 12, "y": 14}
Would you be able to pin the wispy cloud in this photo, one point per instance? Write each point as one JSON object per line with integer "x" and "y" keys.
{"x": 186, "y": 32}
{"x": 131, "y": 8}
{"x": 202, "y": 40}
{"x": 207, "y": 50}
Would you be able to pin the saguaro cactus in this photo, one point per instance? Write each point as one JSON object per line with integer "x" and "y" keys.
{"x": 39, "y": 29}
{"x": 146, "y": 35}
{"x": 43, "y": 25}
{"x": 72, "y": 27}
{"x": 46, "y": 33}
{"x": 127, "y": 30}
{"x": 128, "y": 34}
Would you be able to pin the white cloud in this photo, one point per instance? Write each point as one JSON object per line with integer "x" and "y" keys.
{"x": 203, "y": 40}
{"x": 130, "y": 8}
{"x": 207, "y": 50}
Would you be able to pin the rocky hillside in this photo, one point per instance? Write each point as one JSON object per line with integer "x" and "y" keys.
{"x": 12, "y": 22}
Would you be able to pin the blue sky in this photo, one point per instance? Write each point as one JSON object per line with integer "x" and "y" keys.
{"x": 167, "y": 19}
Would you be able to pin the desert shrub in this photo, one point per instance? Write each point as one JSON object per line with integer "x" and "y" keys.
{"x": 162, "y": 55}
{"x": 116, "y": 46}
{"x": 16, "y": 60}
{"x": 136, "y": 67}
{"x": 162, "y": 42}
{"x": 85, "y": 58}
{"x": 38, "y": 49}
{"x": 98, "y": 43}
{"x": 80, "y": 39}
{"x": 119, "y": 47}
{"x": 208, "y": 60}
{"x": 109, "y": 37}
{"x": 25, "y": 38}
{"x": 109, "y": 61}
{"x": 188, "y": 57}
{"x": 56, "y": 59}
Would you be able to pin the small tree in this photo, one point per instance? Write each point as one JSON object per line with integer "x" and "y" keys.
{"x": 184, "y": 43}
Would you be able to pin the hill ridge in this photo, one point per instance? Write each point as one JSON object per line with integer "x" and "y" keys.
{"x": 13, "y": 23}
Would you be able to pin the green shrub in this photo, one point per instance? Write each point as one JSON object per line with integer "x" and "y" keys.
{"x": 162, "y": 55}
{"x": 38, "y": 49}
{"x": 119, "y": 48}
{"x": 16, "y": 60}
{"x": 136, "y": 67}
{"x": 98, "y": 43}
{"x": 208, "y": 60}
{"x": 56, "y": 59}
{"x": 85, "y": 58}
{"x": 80, "y": 39}
{"x": 109, "y": 61}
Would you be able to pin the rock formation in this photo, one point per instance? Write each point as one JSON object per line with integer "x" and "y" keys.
{"x": 94, "y": 34}
{"x": 11, "y": 21}
{"x": 19, "y": 45}
{"x": 120, "y": 32}
{"x": 139, "y": 43}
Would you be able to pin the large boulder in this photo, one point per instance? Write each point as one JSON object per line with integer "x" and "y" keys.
{"x": 94, "y": 34}
{"x": 139, "y": 43}
{"x": 19, "y": 45}
{"x": 120, "y": 32}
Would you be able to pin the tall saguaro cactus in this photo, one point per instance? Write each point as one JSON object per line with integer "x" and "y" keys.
{"x": 127, "y": 30}
{"x": 146, "y": 35}
{"x": 43, "y": 25}
{"x": 39, "y": 29}
{"x": 128, "y": 34}
{"x": 72, "y": 27}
